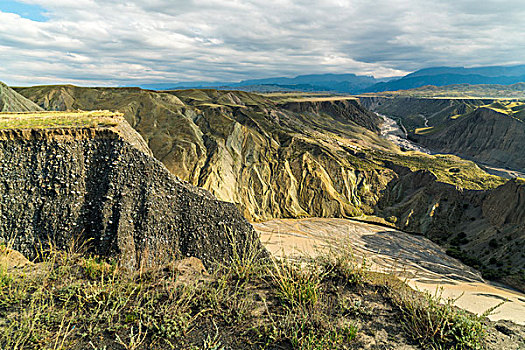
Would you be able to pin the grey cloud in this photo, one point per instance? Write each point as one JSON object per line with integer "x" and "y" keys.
{"x": 115, "y": 42}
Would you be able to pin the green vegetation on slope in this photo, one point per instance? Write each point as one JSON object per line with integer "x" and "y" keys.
{"x": 448, "y": 169}
{"x": 73, "y": 302}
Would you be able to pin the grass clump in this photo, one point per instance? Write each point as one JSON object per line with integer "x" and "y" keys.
{"x": 296, "y": 285}
{"x": 435, "y": 322}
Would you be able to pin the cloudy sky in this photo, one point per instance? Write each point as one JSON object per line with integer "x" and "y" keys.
{"x": 113, "y": 42}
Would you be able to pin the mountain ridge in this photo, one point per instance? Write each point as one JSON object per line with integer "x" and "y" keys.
{"x": 353, "y": 83}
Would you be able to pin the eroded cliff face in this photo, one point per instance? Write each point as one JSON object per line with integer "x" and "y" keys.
{"x": 103, "y": 187}
{"x": 485, "y": 229}
{"x": 270, "y": 159}
{"x": 12, "y": 101}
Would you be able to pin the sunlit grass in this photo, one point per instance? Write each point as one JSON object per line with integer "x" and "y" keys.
{"x": 71, "y": 300}
{"x": 42, "y": 120}
{"x": 448, "y": 169}
{"x": 422, "y": 131}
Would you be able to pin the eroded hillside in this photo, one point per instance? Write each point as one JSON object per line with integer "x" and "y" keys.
{"x": 484, "y": 229}
{"x": 306, "y": 157}
{"x": 486, "y": 130}
{"x": 272, "y": 157}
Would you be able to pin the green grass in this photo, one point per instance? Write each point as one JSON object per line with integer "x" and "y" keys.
{"x": 296, "y": 285}
{"x": 449, "y": 169}
{"x": 73, "y": 301}
{"x": 435, "y": 321}
{"x": 42, "y": 120}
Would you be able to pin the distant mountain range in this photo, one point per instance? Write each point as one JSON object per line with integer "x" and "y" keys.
{"x": 345, "y": 83}
{"x": 441, "y": 76}
{"x": 353, "y": 84}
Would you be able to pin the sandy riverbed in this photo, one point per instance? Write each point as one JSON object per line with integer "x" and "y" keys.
{"x": 423, "y": 263}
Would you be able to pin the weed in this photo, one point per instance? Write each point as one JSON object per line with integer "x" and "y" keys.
{"x": 97, "y": 268}
{"x": 345, "y": 267}
{"x": 247, "y": 258}
{"x": 135, "y": 339}
{"x": 296, "y": 285}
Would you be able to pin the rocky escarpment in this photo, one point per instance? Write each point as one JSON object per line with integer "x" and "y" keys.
{"x": 12, "y": 101}
{"x": 103, "y": 187}
{"x": 485, "y": 135}
{"x": 485, "y": 229}
{"x": 293, "y": 159}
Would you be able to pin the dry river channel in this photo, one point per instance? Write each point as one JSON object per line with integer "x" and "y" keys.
{"x": 424, "y": 264}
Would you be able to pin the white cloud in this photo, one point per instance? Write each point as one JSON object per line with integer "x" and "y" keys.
{"x": 110, "y": 42}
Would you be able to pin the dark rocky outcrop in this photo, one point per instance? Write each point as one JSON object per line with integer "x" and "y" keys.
{"x": 102, "y": 185}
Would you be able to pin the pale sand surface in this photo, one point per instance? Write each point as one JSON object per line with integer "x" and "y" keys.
{"x": 423, "y": 263}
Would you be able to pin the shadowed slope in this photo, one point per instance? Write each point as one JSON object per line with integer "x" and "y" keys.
{"x": 11, "y": 101}
{"x": 488, "y": 131}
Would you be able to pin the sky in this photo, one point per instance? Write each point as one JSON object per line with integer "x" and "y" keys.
{"x": 116, "y": 43}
